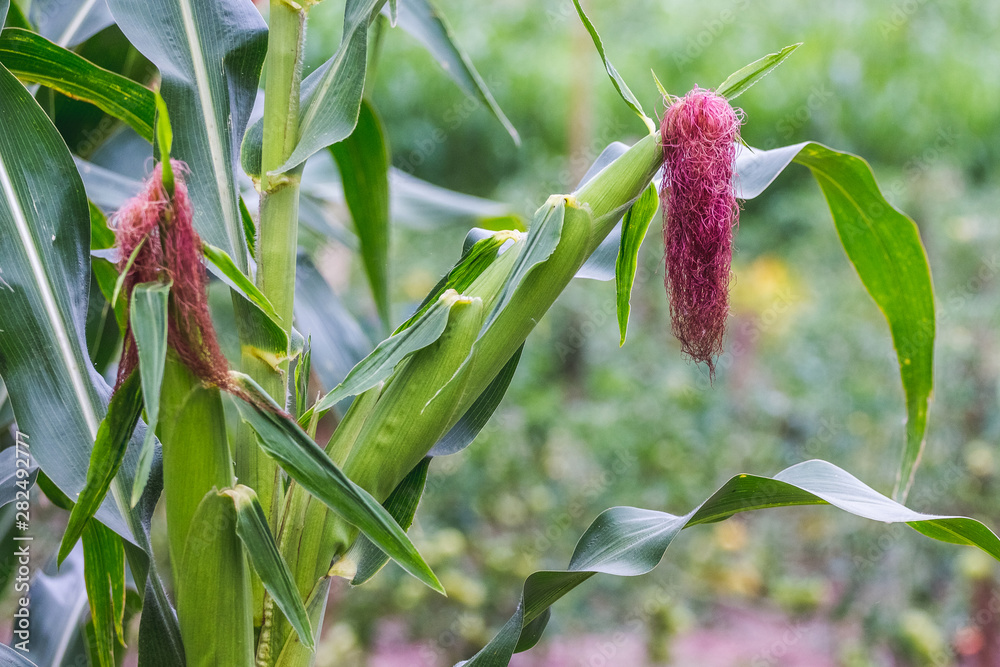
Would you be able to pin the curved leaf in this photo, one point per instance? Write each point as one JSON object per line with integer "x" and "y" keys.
{"x": 378, "y": 365}
{"x": 209, "y": 53}
{"x": 628, "y": 541}
{"x": 32, "y": 58}
{"x": 425, "y": 23}
{"x": 104, "y": 576}
{"x": 884, "y": 246}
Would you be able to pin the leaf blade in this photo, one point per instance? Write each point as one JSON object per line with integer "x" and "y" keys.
{"x": 148, "y": 317}
{"x": 634, "y": 226}
{"x": 741, "y": 80}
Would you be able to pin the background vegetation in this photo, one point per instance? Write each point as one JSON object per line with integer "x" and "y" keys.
{"x": 809, "y": 372}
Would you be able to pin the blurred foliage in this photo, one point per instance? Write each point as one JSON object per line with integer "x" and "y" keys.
{"x": 809, "y": 369}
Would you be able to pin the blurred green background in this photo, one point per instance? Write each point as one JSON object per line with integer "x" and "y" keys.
{"x": 809, "y": 370}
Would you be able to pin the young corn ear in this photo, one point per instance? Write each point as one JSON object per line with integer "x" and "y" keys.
{"x": 699, "y": 134}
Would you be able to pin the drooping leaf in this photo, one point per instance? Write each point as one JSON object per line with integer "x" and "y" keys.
{"x": 884, "y": 246}
{"x": 261, "y": 549}
{"x": 628, "y": 541}
{"x": 70, "y": 22}
{"x": 309, "y": 465}
{"x": 363, "y": 161}
{"x": 209, "y": 55}
{"x": 422, "y": 19}
{"x": 109, "y": 450}
{"x": 738, "y": 82}
{"x": 634, "y": 226}
{"x": 616, "y": 78}
{"x": 402, "y": 506}
{"x": 148, "y": 316}
{"x": 104, "y": 574}
{"x": 34, "y": 59}
{"x": 422, "y": 205}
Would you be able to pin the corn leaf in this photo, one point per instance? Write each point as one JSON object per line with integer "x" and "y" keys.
{"x": 148, "y": 317}
{"x": 309, "y": 465}
{"x": 633, "y": 231}
{"x": 402, "y": 506}
{"x": 616, "y": 78}
{"x": 34, "y": 59}
{"x": 105, "y": 459}
{"x": 740, "y": 81}
{"x": 628, "y": 541}
{"x": 261, "y": 549}
{"x": 884, "y": 246}
{"x": 104, "y": 574}
{"x": 427, "y": 25}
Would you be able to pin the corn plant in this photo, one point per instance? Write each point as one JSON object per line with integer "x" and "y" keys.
{"x": 122, "y": 393}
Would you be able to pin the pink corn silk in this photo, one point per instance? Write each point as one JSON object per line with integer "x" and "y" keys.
{"x": 172, "y": 250}
{"x": 699, "y": 134}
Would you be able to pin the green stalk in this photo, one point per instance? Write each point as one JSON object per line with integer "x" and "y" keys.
{"x": 277, "y": 244}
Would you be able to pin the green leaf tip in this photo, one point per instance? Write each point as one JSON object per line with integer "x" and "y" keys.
{"x": 741, "y": 80}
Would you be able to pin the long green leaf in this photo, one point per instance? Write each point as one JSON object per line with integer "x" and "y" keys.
{"x": 109, "y": 450}
{"x": 422, "y": 19}
{"x": 148, "y": 317}
{"x": 309, "y": 465}
{"x": 401, "y": 505}
{"x": 34, "y": 59}
{"x": 251, "y": 527}
{"x": 616, "y": 78}
{"x": 740, "y": 81}
{"x": 884, "y": 246}
{"x": 104, "y": 573}
{"x": 363, "y": 162}
{"x": 634, "y": 226}
{"x": 209, "y": 54}
{"x": 627, "y": 541}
